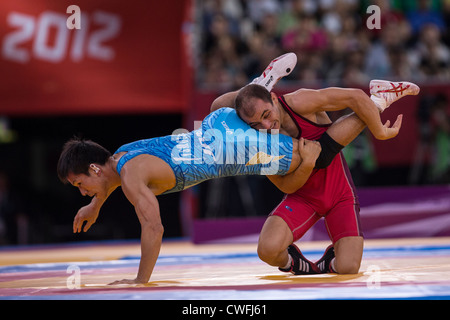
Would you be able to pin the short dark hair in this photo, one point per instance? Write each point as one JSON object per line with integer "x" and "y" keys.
{"x": 77, "y": 155}
{"x": 246, "y": 95}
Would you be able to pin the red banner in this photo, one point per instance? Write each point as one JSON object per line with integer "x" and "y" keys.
{"x": 126, "y": 56}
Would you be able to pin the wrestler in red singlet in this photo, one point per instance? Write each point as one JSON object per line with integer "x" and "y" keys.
{"x": 329, "y": 192}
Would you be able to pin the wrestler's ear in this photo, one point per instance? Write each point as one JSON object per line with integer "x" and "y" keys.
{"x": 94, "y": 168}
{"x": 274, "y": 97}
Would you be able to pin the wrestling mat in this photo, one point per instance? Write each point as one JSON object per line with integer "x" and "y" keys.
{"x": 391, "y": 269}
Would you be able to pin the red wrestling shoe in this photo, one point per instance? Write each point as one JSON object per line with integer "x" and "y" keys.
{"x": 324, "y": 263}
{"x": 300, "y": 265}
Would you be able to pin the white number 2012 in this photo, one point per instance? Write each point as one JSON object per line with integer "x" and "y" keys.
{"x": 38, "y": 31}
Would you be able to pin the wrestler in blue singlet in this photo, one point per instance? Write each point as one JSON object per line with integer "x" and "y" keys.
{"x": 223, "y": 146}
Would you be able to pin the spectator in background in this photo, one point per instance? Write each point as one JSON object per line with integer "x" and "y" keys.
{"x": 354, "y": 75}
{"x": 222, "y": 45}
{"x": 390, "y": 15}
{"x": 309, "y": 40}
{"x": 330, "y": 37}
{"x": 440, "y": 121}
{"x": 290, "y": 13}
{"x": 263, "y": 40}
{"x": 423, "y": 15}
{"x": 222, "y": 52}
{"x": 378, "y": 63}
{"x": 334, "y": 58}
{"x": 446, "y": 17}
{"x": 257, "y": 9}
{"x": 432, "y": 156}
{"x": 402, "y": 68}
{"x": 335, "y": 14}
{"x": 306, "y": 37}
{"x": 385, "y": 57}
{"x": 361, "y": 160}
{"x": 431, "y": 55}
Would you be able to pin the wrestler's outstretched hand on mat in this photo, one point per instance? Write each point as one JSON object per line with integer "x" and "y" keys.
{"x": 125, "y": 281}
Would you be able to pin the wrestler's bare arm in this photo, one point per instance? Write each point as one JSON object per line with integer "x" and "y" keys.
{"x": 226, "y": 100}
{"x": 137, "y": 187}
{"x": 305, "y": 154}
{"x": 308, "y": 101}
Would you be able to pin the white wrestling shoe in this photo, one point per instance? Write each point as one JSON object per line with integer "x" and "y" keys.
{"x": 278, "y": 68}
{"x": 384, "y": 93}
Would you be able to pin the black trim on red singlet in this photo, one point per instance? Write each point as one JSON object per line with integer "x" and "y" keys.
{"x": 292, "y": 114}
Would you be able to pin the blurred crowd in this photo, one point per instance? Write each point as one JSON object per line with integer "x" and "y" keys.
{"x": 238, "y": 38}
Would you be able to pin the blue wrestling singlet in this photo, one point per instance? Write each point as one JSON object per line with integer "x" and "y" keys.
{"x": 223, "y": 146}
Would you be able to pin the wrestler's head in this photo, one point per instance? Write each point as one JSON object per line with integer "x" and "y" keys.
{"x": 81, "y": 164}
{"x": 257, "y": 107}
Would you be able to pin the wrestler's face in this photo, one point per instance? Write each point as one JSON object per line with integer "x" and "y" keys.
{"x": 263, "y": 115}
{"x": 90, "y": 185}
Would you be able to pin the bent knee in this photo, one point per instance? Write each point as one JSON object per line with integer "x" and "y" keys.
{"x": 348, "y": 267}
{"x": 268, "y": 252}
